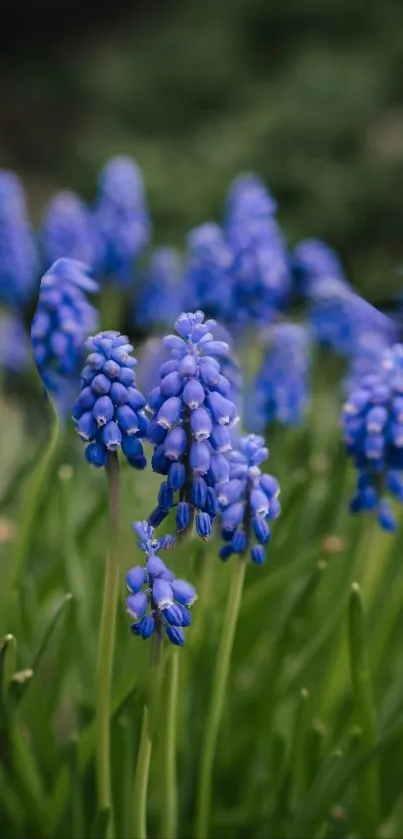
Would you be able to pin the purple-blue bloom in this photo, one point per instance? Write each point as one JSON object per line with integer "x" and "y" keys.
{"x": 281, "y": 389}
{"x": 68, "y": 230}
{"x": 372, "y": 421}
{"x": 314, "y": 261}
{"x": 121, "y": 217}
{"x": 61, "y": 323}
{"x": 208, "y": 282}
{"x": 19, "y": 262}
{"x": 109, "y": 412}
{"x": 14, "y": 344}
{"x": 192, "y": 413}
{"x": 262, "y": 279}
{"x": 248, "y": 500}
{"x": 159, "y": 603}
{"x": 159, "y": 300}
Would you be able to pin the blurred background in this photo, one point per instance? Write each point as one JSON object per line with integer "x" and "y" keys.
{"x": 307, "y": 95}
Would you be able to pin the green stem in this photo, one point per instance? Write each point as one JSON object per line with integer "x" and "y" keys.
{"x": 141, "y": 780}
{"x": 170, "y": 791}
{"x": 28, "y": 515}
{"x": 368, "y": 783}
{"x": 107, "y": 643}
{"x": 217, "y": 698}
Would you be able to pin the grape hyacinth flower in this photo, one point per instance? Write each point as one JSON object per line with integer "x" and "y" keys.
{"x": 372, "y": 422}
{"x": 281, "y": 389}
{"x": 191, "y": 416}
{"x": 208, "y": 282}
{"x": 121, "y": 217}
{"x": 159, "y": 301}
{"x": 248, "y": 501}
{"x": 14, "y": 344}
{"x": 109, "y": 412}
{"x": 18, "y": 253}
{"x": 313, "y": 262}
{"x": 158, "y": 602}
{"x": 262, "y": 280}
{"x": 61, "y": 323}
{"x": 68, "y": 230}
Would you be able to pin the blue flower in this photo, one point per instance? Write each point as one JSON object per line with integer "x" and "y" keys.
{"x": 159, "y": 603}
{"x": 159, "y": 301}
{"x": 19, "y": 261}
{"x": 262, "y": 280}
{"x": 281, "y": 389}
{"x": 14, "y": 344}
{"x": 191, "y": 415}
{"x": 68, "y": 230}
{"x": 248, "y": 501}
{"x": 208, "y": 282}
{"x": 314, "y": 261}
{"x": 62, "y": 321}
{"x": 121, "y": 217}
{"x": 109, "y": 411}
{"x": 372, "y": 422}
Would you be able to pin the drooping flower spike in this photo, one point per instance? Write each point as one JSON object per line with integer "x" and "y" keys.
{"x": 281, "y": 390}
{"x": 68, "y": 230}
{"x": 158, "y": 602}
{"x": 191, "y": 415}
{"x": 109, "y": 412}
{"x": 248, "y": 501}
{"x": 19, "y": 262}
{"x": 372, "y": 421}
{"x": 121, "y": 217}
{"x": 61, "y": 323}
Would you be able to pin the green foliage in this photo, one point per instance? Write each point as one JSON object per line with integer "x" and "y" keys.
{"x": 302, "y": 737}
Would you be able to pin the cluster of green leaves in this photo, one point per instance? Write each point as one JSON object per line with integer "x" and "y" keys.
{"x": 308, "y": 96}
{"x": 312, "y": 733}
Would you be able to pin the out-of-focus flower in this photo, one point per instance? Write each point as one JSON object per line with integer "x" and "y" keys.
{"x": 208, "y": 282}
{"x": 19, "y": 262}
{"x": 314, "y": 261}
{"x": 159, "y": 300}
{"x": 109, "y": 412}
{"x": 191, "y": 415}
{"x": 61, "y": 323}
{"x": 159, "y": 603}
{"x": 68, "y": 229}
{"x": 262, "y": 280}
{"x": 281, "y": 391}
{"x": 372, "y": 422}
{"x": 121, "y": 217}
{"x": 14, "y": 344}
{"x": 248, "y": 501}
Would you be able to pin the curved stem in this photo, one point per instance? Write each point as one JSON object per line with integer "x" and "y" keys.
{"x": 141, "y": 780}
{"x": 107, "y": 642}
{"x": 30, "y": 505}
{"x": 217, "y": 698}
{"x": 170, "y": 791}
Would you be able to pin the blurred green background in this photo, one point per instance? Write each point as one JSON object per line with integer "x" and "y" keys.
{"x": 307, "y": 94}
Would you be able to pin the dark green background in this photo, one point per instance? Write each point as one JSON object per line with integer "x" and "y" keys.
{"x": 309, "y": 94}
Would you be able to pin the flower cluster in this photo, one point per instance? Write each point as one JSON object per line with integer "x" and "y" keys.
{"x": 281, "y": 391}
{"x": 314, "y": 261}
{"x": 209, "y": 278}
{"x": 19, "y": 261}
{"x": 191, "y": 416}
{"x": 121, "y": 217}
{"x": 240, "y": 271}
{"x": 372, "y": 422}
{"x": 262, "y": 279}
{"x": 14, "y": 344}
{"x": 159, "y": 299}
{"x": 68, "y": 229}
{"x": 158, "y": 602}
{"x": 248, "y": 501}
{"x": 109, "y": 410}
{"x": 62, "y": 321}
